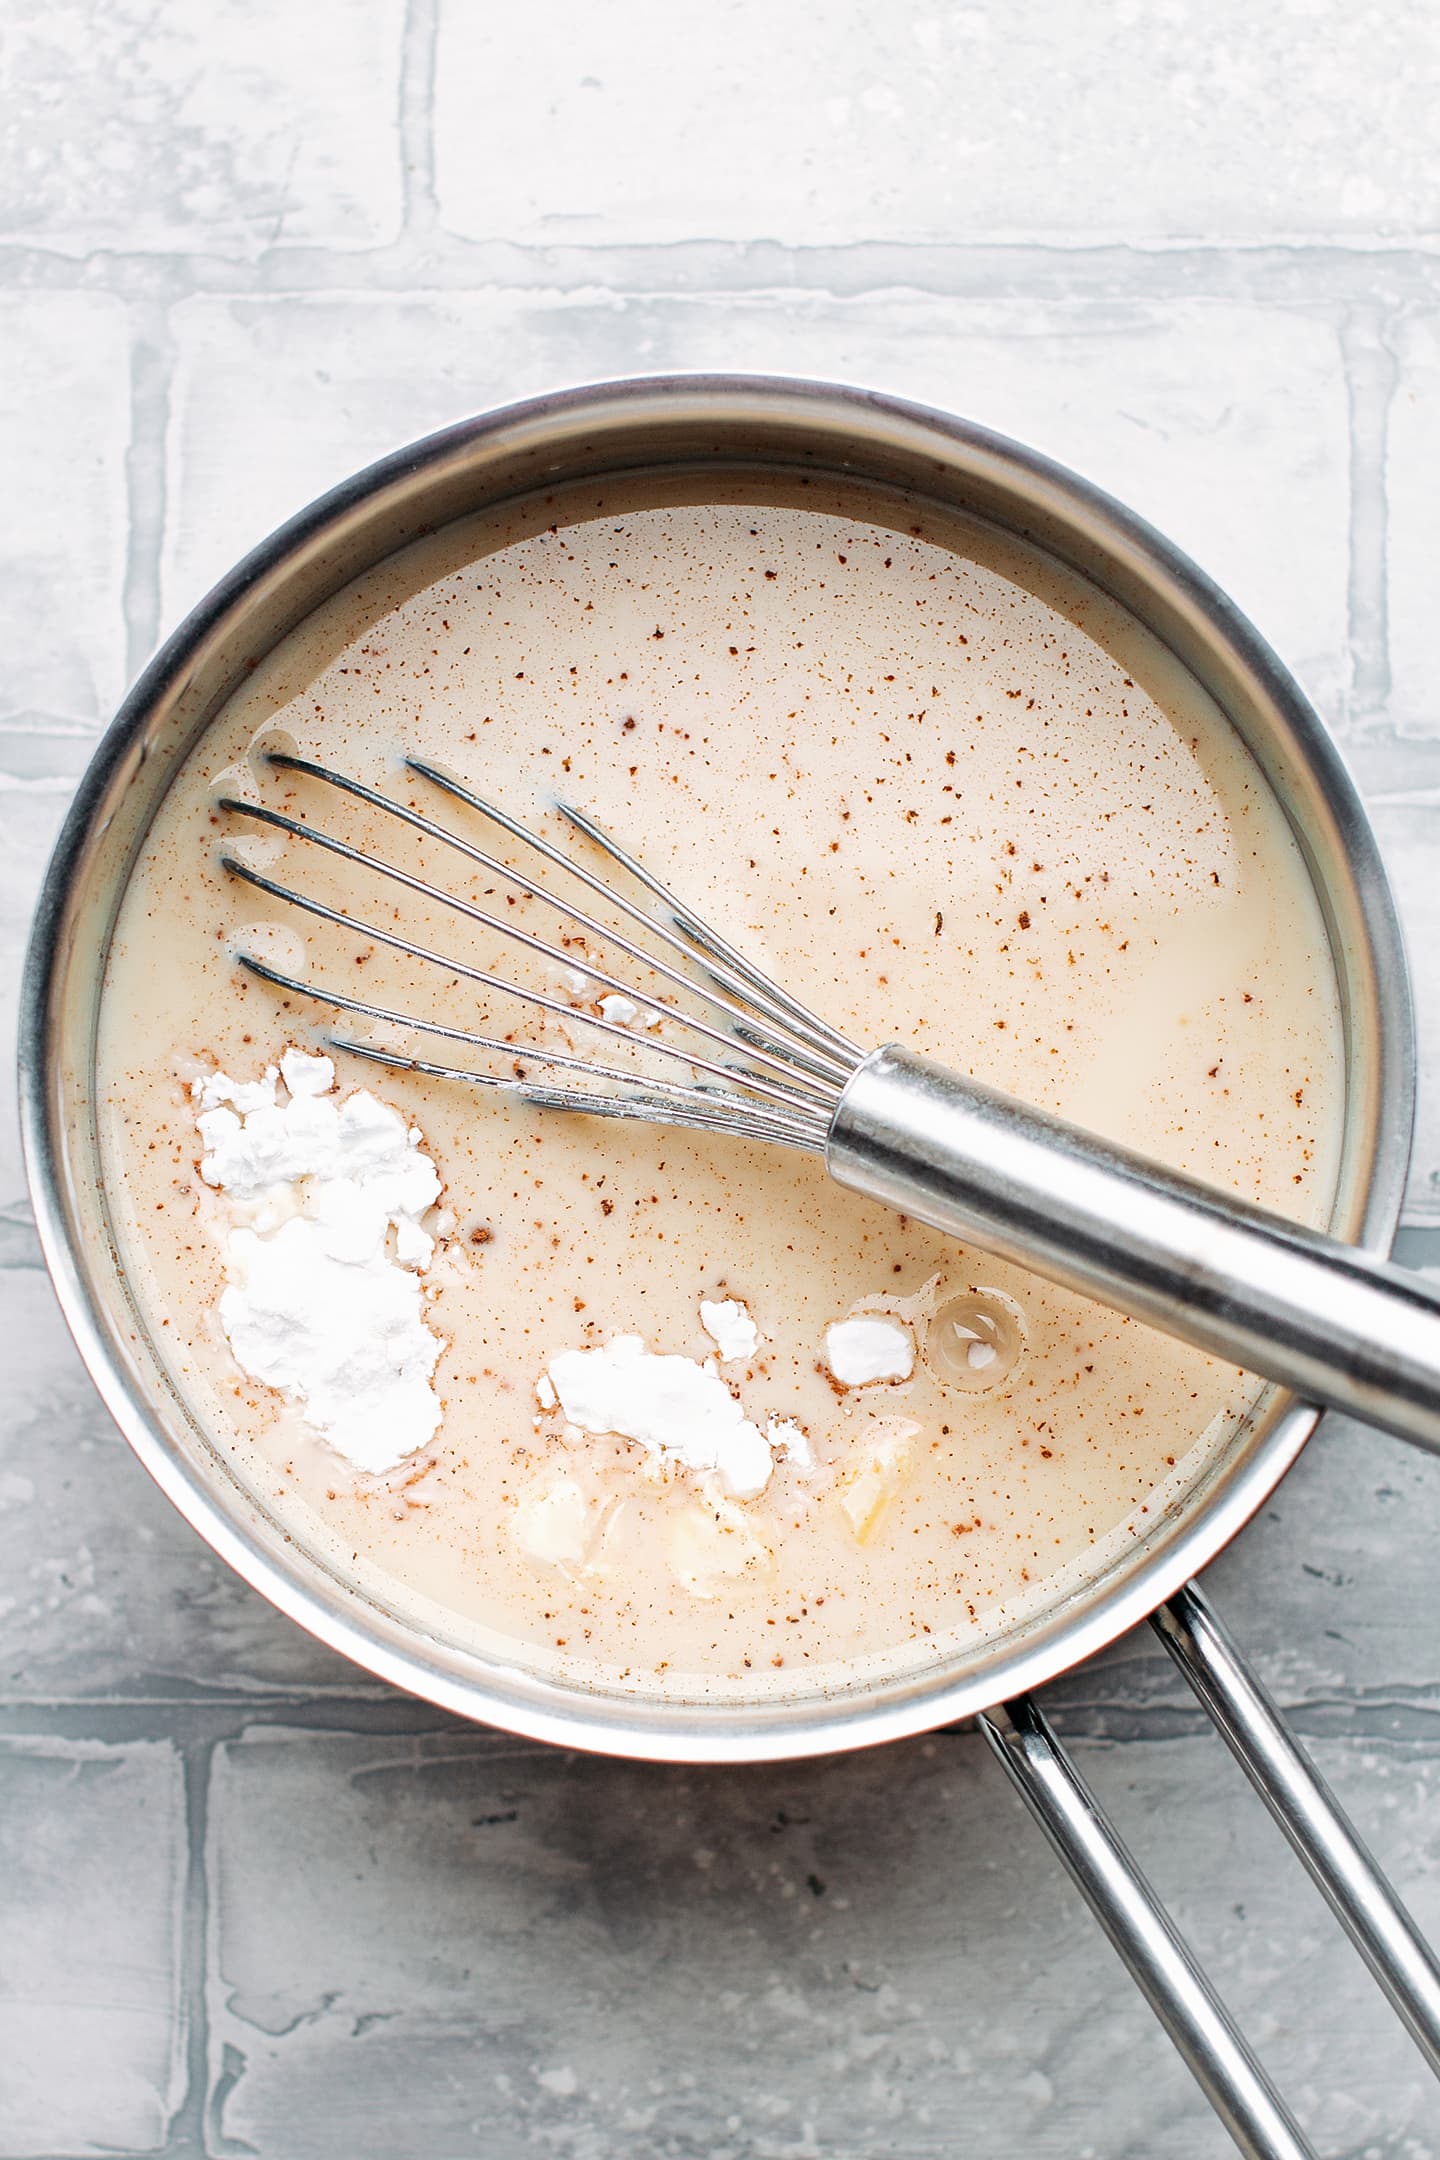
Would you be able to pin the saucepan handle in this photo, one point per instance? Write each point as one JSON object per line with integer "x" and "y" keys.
{"x": 1334, "y": 1323}
{"x": 1142, "y": 1932}
{"x": 1137, "y": 1925}
{"x": 1307, "y": 1811}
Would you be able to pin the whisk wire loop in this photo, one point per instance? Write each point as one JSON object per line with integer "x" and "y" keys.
{"x": 656, "y": 1105}
{"x": 554, "y": 954}
{"x": 540, "y": 998}
{"x": 720, "y": 952}
{"x": 803, "y": 1126}
{"x": 784, "y": 1086}
{"x": 731, "y": 971}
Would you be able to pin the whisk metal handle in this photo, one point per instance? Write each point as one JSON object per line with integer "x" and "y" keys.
{"x": 1289, "y": 1303}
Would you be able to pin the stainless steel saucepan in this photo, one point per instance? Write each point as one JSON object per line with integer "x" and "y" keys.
{"x": 698, "y": 425}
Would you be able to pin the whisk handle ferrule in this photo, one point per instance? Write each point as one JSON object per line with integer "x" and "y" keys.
{"x": 1289, "y": 1303}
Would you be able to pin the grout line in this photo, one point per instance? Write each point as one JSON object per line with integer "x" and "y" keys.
{"x": 1370, "y": 375}
{"x": 1037, "y": 274}
{"x": 259, "y": 1699}
{"x": 1406, "y": 1718}
{"x": 19, "y": 1241}
{"x": 196, "y": 1722}
{"x": 151, "y": 369}
{"x": 185, "y": 2137}
{"x": 232, "y": 2069}
{"x": 417, "y": 118}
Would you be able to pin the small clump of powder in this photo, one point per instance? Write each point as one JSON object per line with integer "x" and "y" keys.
{"x": 869, "y": 1347}
{"x": 728, "y": 1324}
{"x": 678, "y": 1411}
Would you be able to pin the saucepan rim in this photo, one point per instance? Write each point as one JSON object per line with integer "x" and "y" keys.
{"x": 839, "y": 432}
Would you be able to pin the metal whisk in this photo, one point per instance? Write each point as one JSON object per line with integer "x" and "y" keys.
{"x": 1284, "y": 1301}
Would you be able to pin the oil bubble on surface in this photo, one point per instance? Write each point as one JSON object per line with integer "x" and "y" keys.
{"x": 975, "y": 1341}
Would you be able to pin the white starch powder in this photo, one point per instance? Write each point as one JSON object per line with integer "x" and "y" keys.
{"x": 323, "y": 1253}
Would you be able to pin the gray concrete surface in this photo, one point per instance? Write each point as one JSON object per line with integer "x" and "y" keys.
{"x": 253, "y": 1903}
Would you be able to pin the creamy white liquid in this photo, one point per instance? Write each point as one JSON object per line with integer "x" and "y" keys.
{"x": 946, "y": 796}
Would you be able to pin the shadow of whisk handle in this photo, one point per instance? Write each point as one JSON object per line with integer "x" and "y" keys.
{"x": 1289, "y": 1303}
